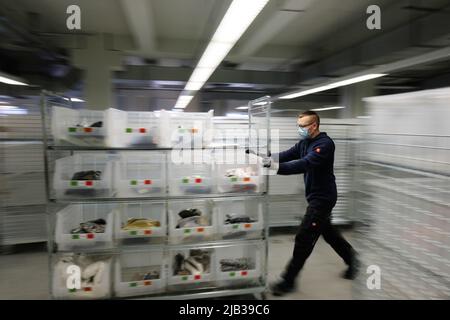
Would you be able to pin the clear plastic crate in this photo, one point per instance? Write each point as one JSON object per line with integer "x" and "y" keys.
{"x": 187, "y": 128}
{"x": 191, "y": 232}
{"x": 249, "y": 259}
{"x": 236, "y": 174}
{"x": 140, "y": 175}
{"x": 140, "y": 273}
{"x": 155, "y": 211}
{"x": 98, "y": 265}
{"x": 87, "y": 127}
{"x": 195, "y": 279}
{"x": 73, "y": 215}
{"x": 66, "y": 187}
{"x": 239, "y": 210}
{"x": 145, "y": 129}
{"x": 188, "y": 179}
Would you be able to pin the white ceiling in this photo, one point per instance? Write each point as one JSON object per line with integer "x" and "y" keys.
{"x": 286, "y": 31}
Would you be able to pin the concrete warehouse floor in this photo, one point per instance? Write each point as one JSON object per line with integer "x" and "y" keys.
{"x": 24, "y": 275}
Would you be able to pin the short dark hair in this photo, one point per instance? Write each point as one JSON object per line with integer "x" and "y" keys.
{"x": 310, "y": 113}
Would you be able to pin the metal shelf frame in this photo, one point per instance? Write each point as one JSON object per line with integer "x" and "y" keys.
{"x": 53, "y": 204}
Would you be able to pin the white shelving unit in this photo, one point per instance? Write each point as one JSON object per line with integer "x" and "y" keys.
{"x": 145, "y": 248}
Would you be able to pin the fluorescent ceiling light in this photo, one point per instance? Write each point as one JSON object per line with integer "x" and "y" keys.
{"x": 8, "y": 107}
{"x": 328, "y": 108}
{"x": 10, "y": 80}
{"x": 333, "y": 85}
{"x": 14, "y": 111}
{"x": 242, "y": 108}
{"x": 214, "y": 53}
{"x": 76, "y": 100}
{"x": 236, "y": 20}
{"x": 183, "y": 101}
{"x": 238, "y": 17}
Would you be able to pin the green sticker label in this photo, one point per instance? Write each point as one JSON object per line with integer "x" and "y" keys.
{"x": 128, "y": 130}
{"x": 72, "y": 129}
{"x": 73, "y": 290}
{"x": 75, "y": 236}
{"x": 234, "y": 179}
{"x": 187, "y": 231}
{"x": 235, "y": 226}
{"x": 73, "y": 183}
{"x": 185, "y": 180}
{"x": 133, "y": 182}
{"x": 133, "y": 233}
{"x": 133, "y": 284}
{"x": 232, "y": 274}
{"x": 184, "y": 278}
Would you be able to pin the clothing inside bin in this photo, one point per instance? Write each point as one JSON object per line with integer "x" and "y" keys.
{"x": 191, "y": 218}
{"x": 141, "y": 273}
{"x": 236, "y": 264}
{"x": 93, "y": 269}
{"x": 87, "y": 175}
{"x": 84, "y": 124}
{"x": 93, "y": 226}
{"x": 233, "y": 218}
{"x": 196, "y": 263}
{"x": 239, "y": 174}
{"x": 140, "y": 223}
{"x": 246, "y": 172}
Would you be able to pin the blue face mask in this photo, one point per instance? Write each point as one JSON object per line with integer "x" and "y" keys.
{"x": 303, "y": 133}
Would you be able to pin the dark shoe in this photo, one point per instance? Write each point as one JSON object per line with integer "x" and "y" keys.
{"x": 281, "y": 288}
{"x": 353, "y": 268}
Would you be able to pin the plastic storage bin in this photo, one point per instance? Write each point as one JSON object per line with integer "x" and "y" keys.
{"x": 187, "y": 128}
{"x": 154, "y": 229}
{"x": 67, "y": 185}
{"x": 194, "y": 278}
{"x": 145, "y": 129}
{"x": 188, "y": 230}
{"x": 95, "y": 276}
{"x": 140, "y": 273}
{"x": 236, "y": 174}
{"x": 188, "y": 179}
{"x": 140, "y": 175}
{"x": 73, "y": 215}
{"x": 87, "y": 127}
{"x": 239, "y": 218}
{"x": 239, "y": 264}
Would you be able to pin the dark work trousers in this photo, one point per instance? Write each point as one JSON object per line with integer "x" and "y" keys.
{"x": 316, "y": 222}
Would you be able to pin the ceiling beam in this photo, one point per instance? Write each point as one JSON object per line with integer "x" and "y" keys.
{"x": 155, "y": 73}
{"x": 139, "y": 16}
{"x": 414, "y": 38}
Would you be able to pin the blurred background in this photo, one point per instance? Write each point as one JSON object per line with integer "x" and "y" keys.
{"x": 392, "y": 132}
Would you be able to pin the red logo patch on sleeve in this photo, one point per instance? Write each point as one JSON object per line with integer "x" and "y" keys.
{"x": 318, "y": 150}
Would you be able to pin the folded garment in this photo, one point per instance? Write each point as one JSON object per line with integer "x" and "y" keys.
{"x": 186, "y": 213}
{"x": 94, "y": 226}
{"x": 97, "y": 124}
{"x": 240, "y": 172}
{"x": 141, "y": 273}
{"x": 192, "y": 222}
{"x": 238, "y": 218}
{"x": 140, "y": 223}
{"x": 93, "y": 270}
{"x": 197, "y": 263}
{"x": 235, "y": 264}
{"x": 87, "y": 175}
